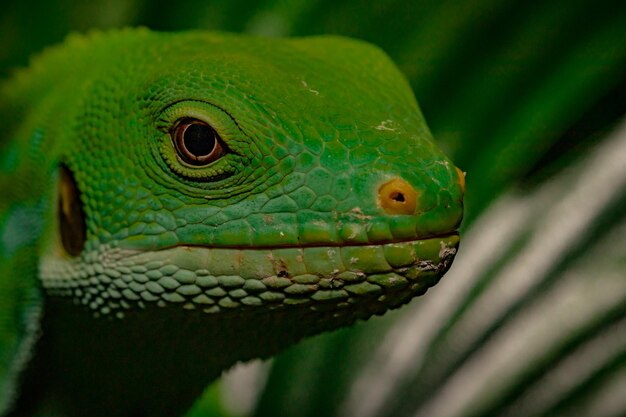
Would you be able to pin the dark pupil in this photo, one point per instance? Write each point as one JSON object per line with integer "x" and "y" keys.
{"x": 199, "y": 139}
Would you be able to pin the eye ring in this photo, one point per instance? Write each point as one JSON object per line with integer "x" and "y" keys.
{"x": 196, "y": 142}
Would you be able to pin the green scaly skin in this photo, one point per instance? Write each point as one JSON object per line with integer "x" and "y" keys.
{"x": 187, "y": 270}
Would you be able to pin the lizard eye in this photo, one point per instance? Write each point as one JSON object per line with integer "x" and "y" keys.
{"x": 196, "y": 142}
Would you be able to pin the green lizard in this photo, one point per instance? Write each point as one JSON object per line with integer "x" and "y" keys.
{"x": 175, "y": 203}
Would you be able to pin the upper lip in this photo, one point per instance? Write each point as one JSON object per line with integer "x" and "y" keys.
{"x": 316, "y": 244}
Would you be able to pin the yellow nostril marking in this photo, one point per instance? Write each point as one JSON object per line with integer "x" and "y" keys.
{"x": 397, "y": 197}
{"x": 461, "y": 175}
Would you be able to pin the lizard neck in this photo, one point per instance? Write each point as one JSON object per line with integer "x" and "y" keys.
{"x": 152, "y": 362}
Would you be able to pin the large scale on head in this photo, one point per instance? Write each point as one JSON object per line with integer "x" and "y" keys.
{"x": 212, "y": 198}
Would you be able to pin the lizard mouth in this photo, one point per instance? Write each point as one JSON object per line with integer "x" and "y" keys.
{"x": 363, "y": 279}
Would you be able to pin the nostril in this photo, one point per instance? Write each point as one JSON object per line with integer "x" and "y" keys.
{"x": 461, "y": 175}
{"x": 397, "y": 197}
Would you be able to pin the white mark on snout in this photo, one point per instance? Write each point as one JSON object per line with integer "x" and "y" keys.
{"x": 304, "y": 83}
{"x": 384, "y": 125}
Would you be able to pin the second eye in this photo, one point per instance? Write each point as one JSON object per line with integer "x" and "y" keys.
{"x": 196, "y": 142}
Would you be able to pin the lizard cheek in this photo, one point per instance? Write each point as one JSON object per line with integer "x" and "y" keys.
{"x": 71, "y": 216}
{"x": 397, "y": 197}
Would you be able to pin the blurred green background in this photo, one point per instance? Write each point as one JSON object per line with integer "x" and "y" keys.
{"x": 529, "y": 99}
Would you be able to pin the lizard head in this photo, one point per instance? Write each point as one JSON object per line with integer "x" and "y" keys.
{"x": 248, "y": 177}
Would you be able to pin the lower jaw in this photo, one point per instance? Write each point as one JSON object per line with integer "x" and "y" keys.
{"x": 362, "y": 280}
